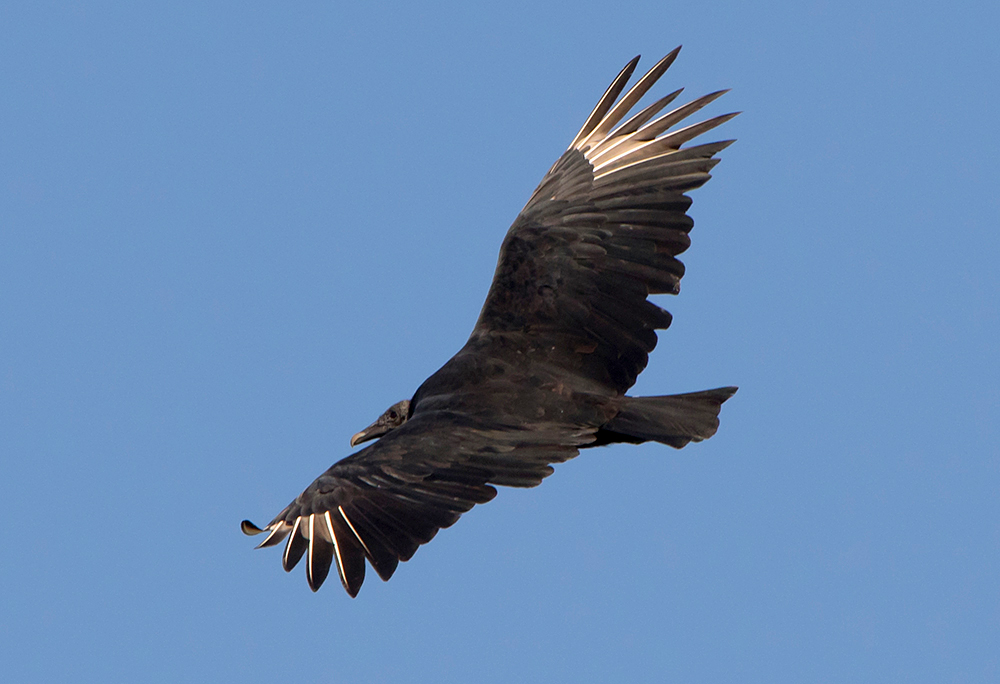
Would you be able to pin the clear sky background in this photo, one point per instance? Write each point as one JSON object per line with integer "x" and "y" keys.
{"x": 231, "y": 234}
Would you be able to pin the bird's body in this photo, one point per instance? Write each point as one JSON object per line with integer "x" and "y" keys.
{"x": 565, "y": 331}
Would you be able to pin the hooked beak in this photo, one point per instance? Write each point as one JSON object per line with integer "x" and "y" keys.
{"x": 371, "y": 432}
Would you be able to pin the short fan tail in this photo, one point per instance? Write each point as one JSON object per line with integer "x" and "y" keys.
{"x": 675, "y": 419}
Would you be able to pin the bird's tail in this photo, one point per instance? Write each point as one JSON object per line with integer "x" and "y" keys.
{"x": 675, "y": 419}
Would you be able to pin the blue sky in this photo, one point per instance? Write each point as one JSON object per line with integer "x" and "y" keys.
{"x": 231, "y": 234}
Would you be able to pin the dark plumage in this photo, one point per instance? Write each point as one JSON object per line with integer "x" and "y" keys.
{"x": 565, "y": 331}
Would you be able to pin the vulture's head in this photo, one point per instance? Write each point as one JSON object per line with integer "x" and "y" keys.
{"x": 393, "y": 417}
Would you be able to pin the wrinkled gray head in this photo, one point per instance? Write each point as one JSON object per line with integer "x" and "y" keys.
{"x": 393, "y": 417}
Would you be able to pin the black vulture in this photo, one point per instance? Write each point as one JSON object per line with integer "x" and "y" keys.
{"x": 564, "y": 332}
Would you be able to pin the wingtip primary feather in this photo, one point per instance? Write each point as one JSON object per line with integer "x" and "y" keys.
{"x": 642, "y": 138}
{"x": 249, "y": 529}
{"x": 348, "y": 554}
{"x": 606, "y": 101}
{"x": 623, "y": 106}
{"x": 651, "y": 151}
{"x": 652, "y": 138}
{"x": 322, "y": 549}
{"x": 295, "y": 547}
{"x": 279, "y": 531}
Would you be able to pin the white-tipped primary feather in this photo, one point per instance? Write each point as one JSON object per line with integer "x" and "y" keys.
{"x": 624, "y": 105}
{"x": 356, "y": 535}
{"x": 278, "y": 532}
{"x": 606, "y": 101}
{"x": 654, "y": 149}
{"x": 291, "y": 537}
{"x": 336, "y": 549}
{"x": 612, "y": 149}
{"x": 636, "y": 121}
{"x": 311, "y": 526}
{"x": 641, "y": 139}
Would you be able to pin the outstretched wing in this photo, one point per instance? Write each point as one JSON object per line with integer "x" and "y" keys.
{"x": 602, "y": 232}
{"x": 386, "y": 500}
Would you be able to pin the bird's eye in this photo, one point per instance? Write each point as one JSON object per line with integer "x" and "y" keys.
{"x": 392, "y": 414}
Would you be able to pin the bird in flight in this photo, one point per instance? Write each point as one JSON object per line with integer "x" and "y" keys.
{"x": 565, "y": 330}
